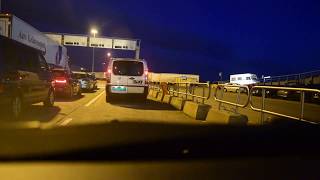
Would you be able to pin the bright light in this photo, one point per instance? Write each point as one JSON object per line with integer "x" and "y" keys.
{"x": 146, "y": 72}
{"x": 109, "y": 71}
{"x": 61, "y": 81}
{"x": 109, "y": 54}
{"x": 94, "y": 31}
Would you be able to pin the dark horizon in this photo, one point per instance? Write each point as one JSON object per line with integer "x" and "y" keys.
{"x": 199, "y": 37}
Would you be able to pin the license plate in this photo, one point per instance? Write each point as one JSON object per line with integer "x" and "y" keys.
{"x": 119, "y": 89}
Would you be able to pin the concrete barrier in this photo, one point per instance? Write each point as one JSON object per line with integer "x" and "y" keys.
{"x": 160, "y": 96}
{"x": 177, "y": 102}
{"x": 224, "y": 117}
{"x": 195, "y": 110}
{"x": 155, "y": 94}
{"x": 166, "y": 99}
{"x": 150, "y": 92}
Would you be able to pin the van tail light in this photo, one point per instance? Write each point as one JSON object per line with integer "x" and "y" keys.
{"x": 146, "y": 72}
{"x": 108, "y": 75}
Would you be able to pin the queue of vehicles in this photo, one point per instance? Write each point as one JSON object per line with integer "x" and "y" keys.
{"x": 26, "y": 78}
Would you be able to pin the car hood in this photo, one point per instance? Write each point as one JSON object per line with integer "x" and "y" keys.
{"x": 132, "y": 140}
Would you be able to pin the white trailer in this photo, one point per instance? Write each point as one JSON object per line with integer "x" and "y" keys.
{"x": 244, "y": 79}
{"x": 172, "y": 78}
{"x": 16, "y": 29}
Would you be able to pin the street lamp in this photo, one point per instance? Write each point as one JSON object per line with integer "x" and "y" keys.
{"x": 109, "y": 54}
{"x": 93, "y": 32}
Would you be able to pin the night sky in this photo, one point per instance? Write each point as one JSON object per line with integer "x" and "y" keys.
{"x": 270, "y": 37}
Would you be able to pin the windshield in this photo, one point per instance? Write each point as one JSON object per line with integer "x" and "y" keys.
{"x": 128, "y": 68}
{"x": 159, "y": 64}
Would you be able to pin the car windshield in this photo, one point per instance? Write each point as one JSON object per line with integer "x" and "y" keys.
{"x": 128, "y": 68}
{"x": 182, "y": 65}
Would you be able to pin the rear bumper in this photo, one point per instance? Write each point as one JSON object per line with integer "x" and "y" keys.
{"x": 61, "y": 89}
{"x": 128, "y": 89}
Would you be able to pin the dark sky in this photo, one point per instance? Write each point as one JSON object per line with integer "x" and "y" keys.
{"x": 269, "y": 37}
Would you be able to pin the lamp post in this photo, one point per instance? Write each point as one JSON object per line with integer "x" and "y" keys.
{"x": 93, "y": 32}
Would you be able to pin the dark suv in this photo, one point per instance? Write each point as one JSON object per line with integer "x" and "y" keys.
{"x": 65, "y": 84}
{"x": 24, "y": 77}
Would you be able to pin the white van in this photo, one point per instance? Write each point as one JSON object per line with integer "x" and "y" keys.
{"x": 126, "y": 76}
{"x": 244, "y": 79}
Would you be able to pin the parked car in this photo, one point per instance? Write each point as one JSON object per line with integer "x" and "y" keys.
{"x": 232, "y": 87}
{"x": 289, "y": 95}
{"x": 25, "y": 77}
{"x": 94, "y": 80}
{"x": 127, "y": 76}
{"x": 86, "y": 82}
{"x": 64, "y": 84}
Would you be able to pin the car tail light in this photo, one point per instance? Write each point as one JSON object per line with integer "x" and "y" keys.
{"x": 60, "y": 81}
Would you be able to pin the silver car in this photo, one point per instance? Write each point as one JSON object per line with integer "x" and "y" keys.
{"x": 85, "y": 80}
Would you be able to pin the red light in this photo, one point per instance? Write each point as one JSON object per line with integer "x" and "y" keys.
{"x": 109, "y": 71}
{"x": 61, "y": 81}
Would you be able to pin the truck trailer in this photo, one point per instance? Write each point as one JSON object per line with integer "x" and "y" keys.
{"x": 18, "y": 30}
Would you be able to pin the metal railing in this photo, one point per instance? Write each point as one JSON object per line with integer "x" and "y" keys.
{"x": 187, "y": 89}
{"x": 238, "y": 89}
{"x": 263, "y": 110}
{"x": 299, "y": 78}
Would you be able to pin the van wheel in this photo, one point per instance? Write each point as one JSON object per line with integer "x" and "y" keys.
{"x": 16, "y": 107}
{"x": 108, "y": 98}
{"x": 49, "y": 102}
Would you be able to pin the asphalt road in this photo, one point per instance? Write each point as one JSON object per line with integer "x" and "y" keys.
{"x": 92, "y": 108}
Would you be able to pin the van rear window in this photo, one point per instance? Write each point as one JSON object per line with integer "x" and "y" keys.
{"x": 128, "y": 68}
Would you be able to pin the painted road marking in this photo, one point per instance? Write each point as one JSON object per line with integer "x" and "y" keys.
{"x": 65, "y": 122}
{"x": 94, "y": 99}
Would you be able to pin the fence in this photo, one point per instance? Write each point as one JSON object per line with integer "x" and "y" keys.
{"x": 188, "y": 90}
